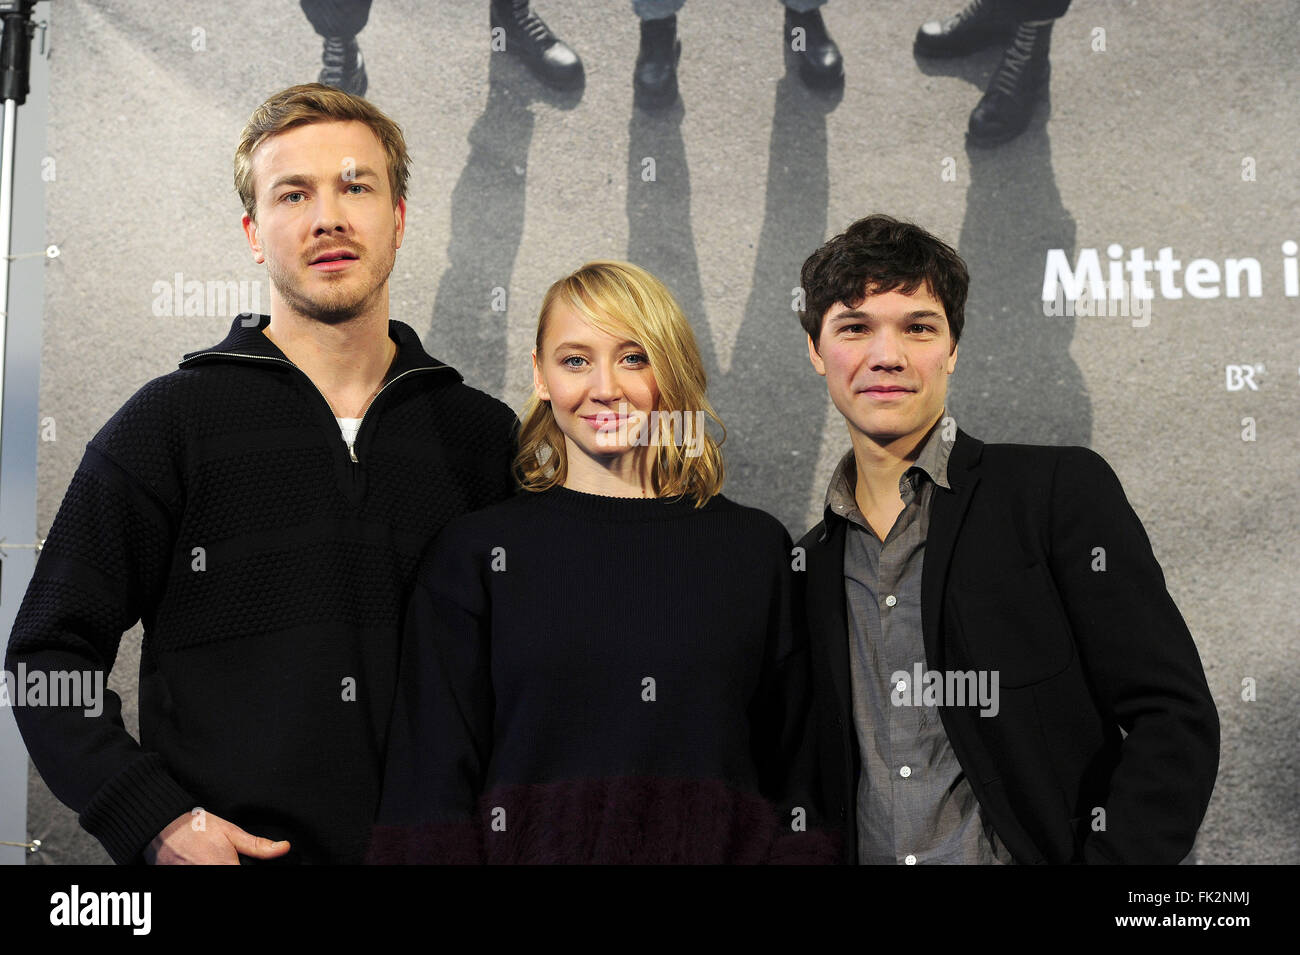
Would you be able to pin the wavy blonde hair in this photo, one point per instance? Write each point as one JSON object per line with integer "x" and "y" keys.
{"x": 622, "y": 299}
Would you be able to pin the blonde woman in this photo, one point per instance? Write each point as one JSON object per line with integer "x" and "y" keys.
{"x": 605, "y": 668}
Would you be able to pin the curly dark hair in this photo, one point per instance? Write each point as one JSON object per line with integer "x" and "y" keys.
{"x": 881, "y": 254}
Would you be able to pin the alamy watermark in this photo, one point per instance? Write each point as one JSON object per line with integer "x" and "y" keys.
{"x": 628, "y": 428}
{"x": 191, "y": 298}
{"x": 924, "y": 687}
{"x": 1102, "y": 300}
{"x": 76, "y": 907}
{"x": 83, "y": 688}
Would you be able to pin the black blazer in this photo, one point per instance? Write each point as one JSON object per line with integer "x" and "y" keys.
{"x": 1009, "y": 584}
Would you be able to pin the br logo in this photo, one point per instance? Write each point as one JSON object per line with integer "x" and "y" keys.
{"x": 1242, "y": 376}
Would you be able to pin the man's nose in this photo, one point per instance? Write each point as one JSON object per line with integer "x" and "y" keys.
{"x": 329, "y": 213}
{"x": 886, "y": 350}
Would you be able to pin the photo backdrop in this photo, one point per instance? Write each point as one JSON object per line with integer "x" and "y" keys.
{"x": 1170, "y": 125}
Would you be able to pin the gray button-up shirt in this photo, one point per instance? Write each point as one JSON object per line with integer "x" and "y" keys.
{"x": 914, "y": 803}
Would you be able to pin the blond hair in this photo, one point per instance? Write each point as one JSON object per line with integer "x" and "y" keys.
{"x": 316, "y": 103}
{"x": 619, "y": 298}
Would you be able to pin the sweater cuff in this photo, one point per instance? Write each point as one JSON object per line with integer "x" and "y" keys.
{"x": 134, "y": 806}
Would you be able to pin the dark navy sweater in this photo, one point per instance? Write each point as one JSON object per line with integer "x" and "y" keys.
{"x": 595, "y": 679}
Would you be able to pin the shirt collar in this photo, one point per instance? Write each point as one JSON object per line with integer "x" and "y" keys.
{"x": 931, "y": 461}
{"x": 935, "y": 451}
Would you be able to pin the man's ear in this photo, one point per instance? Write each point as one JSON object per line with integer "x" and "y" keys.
{"x": 539, "y": 386}
{"x": 952, "y": 359}
{"x": 254, "y": 240}
{"x": 815, "y": 358}
{"x": 399, "y": 212}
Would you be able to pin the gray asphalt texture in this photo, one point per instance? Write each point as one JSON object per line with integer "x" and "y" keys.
{"x": 513, "y": 186}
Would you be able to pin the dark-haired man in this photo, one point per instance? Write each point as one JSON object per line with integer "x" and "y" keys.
{"x": 261, "y": 511}
{"x": 987, "y": 621}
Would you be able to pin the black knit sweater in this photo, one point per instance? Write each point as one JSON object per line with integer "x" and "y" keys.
{"x": 220, "y": 506}
{"x": 600, "y": 679}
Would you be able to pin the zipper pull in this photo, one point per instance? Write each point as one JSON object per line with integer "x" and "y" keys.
{"x": 352, "y": 453}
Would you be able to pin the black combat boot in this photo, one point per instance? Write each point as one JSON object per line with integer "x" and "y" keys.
{"x": 343, "y": 67}
{"x": 654, "y": 83}
{"x": 979, "y": 24}
{"x": 1018, "y": 83}
{"x": 528, "y": 37}
{"x": 820, "y": 63}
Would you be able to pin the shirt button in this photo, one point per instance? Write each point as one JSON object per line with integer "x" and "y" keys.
{"x": 901, "y": 686}
{"x": 890, "y": 600}
{"x": 905, "y": 771}
{"x": 910, "y": 859}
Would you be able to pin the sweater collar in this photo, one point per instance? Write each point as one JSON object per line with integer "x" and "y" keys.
{"x": 599, "y": 507}
{"x": 247, "y": 341}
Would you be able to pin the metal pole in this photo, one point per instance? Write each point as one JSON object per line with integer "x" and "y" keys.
{"x": 15, "y": 64}
{"x": 6, "y": 228}
{"x": 18, "y": 466}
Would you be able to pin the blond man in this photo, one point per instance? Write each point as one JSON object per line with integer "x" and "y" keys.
{"x": 261, "y": 511}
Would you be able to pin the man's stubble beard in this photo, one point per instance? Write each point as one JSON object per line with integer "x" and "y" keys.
{"x": 334, "y": 308}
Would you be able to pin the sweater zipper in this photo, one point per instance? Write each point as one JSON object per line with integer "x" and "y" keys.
{"x": 351, "y": 450}
{"x": 362, "y": 420}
